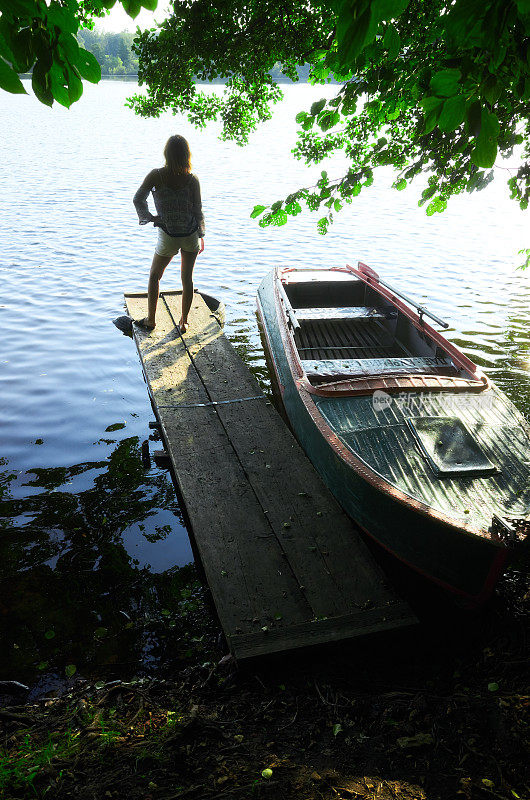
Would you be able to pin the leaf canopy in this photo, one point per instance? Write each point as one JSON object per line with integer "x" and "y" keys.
{"x": 437, "y": 89}
{"x": 40, "y": 37}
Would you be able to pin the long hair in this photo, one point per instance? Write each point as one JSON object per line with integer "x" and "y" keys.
{"x": 178, "y": 155}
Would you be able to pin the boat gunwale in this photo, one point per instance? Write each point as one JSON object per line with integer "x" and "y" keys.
{"x": 364, "y": 384}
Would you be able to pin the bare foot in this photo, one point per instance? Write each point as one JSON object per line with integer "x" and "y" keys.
{"x": 145, "y": 324}
{"x": 183, "y": 326}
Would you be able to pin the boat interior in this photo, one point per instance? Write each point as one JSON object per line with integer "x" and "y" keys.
{"x": 344, "y": 328}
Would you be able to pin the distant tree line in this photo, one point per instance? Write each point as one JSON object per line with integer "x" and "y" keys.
{"x": 113, "y": 51}
{"x": 114, "y": 54}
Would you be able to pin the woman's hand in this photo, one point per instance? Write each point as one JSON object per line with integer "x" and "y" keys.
{"x": 201, "y": 246}
{"x": 156, "y": 221}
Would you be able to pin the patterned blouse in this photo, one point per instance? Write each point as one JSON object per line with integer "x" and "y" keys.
{"x": 180, "y": 210}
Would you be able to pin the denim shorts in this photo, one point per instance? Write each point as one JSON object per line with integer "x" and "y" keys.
{"x": 169, "y": 246}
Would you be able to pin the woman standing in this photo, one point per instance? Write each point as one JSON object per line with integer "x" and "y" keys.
{"x": 180, "y": 222}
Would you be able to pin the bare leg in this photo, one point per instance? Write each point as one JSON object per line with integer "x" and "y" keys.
{"x": 157, "y": 270}
{"x": 186, "y": 273}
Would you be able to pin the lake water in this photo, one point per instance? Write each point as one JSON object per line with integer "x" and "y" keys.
{"x": 88, "y": 537}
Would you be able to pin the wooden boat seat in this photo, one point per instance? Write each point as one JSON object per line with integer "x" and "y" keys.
{"x": 345, "y": 312}
{"x": 333, "y": 367}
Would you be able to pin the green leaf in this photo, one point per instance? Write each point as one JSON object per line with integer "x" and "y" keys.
{"x": 75, "y": 86}
{"x": 317, "y": 107}
{"x": 70, "y": 670}
{"x": 389, "y": 9}
{"x": 279, "y": 218}
{"x": 20, "y": 8}
{"x": 419, "y": 740}
{"x": 149, "y": 4}
{"x": 492, "y": 90}
{"x": 49, "y": 634}
{"x": 485, "y": 150}
{"x": 392, "y": 42}
{"x": 453, "y": 113}
{"x": 22, "y": 46}
{"x": 9, "y": 79}
{"x": 349, "y": 106}
{"x": 301, "y": 117}
{"x": 265, "y": 221}
{"x": 62, "y": 18}
{"x": 352, "y": 35}
{"x": 445, "y": 82}
{"x": 41, "y": 84}
{"x": 328, "y": 119}
{"x": 69, "y": 47}
{"x": 498, "y": 57}
{"x": 276, "y": 206}
{"x": 257, "y": 210}
{"x": 402, "y": 184}
{"x": 132, "y": 7}
{"x": 474, "y": 117}
{"x": 58, "y": 83}
{"x": 293, "y": 208}
{"x": 5, "y": 37}
{"x": 432, "y": 107}
{"x": 88, "y": 66}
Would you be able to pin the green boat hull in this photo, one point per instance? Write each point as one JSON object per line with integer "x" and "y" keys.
{"x": 464, "y": 563}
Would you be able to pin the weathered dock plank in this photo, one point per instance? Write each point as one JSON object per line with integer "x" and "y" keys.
{"x": 285, "y": 566}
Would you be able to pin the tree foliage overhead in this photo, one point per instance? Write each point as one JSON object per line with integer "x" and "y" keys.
{"x": 236, "y": 40}
{"x": 40, "y": 37}
{"x": 435, "y": 89}
{"x": 432, "y": 88}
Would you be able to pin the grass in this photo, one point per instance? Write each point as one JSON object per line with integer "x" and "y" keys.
{"x": 20, "y": 767}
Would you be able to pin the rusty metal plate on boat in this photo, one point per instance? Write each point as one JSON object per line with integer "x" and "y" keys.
{"x": 449, "y": 447}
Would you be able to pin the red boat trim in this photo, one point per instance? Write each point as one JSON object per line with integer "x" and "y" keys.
{"x": 392, "y": 384}
{"x": 474, "y": 600}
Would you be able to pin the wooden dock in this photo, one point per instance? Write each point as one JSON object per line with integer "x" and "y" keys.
{"x": 285, "y": 566}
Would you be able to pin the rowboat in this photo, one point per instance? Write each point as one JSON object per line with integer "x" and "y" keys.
{"x": 418, "y": 445}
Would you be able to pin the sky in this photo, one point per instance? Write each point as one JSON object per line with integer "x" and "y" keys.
{"x": 118, "y": 20}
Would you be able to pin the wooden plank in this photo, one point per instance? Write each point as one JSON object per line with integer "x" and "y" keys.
{"x": 345, "y": 312}
{"x": 327, "y": 555}
{"x": 278, "y": 552}
{"x": 322, "y": 631}
{"x": 167, "y": 367}
{"x": 374, "y": 366}
{"x": 243, "y": 561}
{"x": 250, "y": 579}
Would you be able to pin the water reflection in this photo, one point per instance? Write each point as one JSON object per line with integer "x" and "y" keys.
{"x": 72, "y": 589}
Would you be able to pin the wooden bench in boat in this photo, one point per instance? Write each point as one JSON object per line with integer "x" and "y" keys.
{"x": 377, "y": 366}
{"x": 346, "y": 312}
